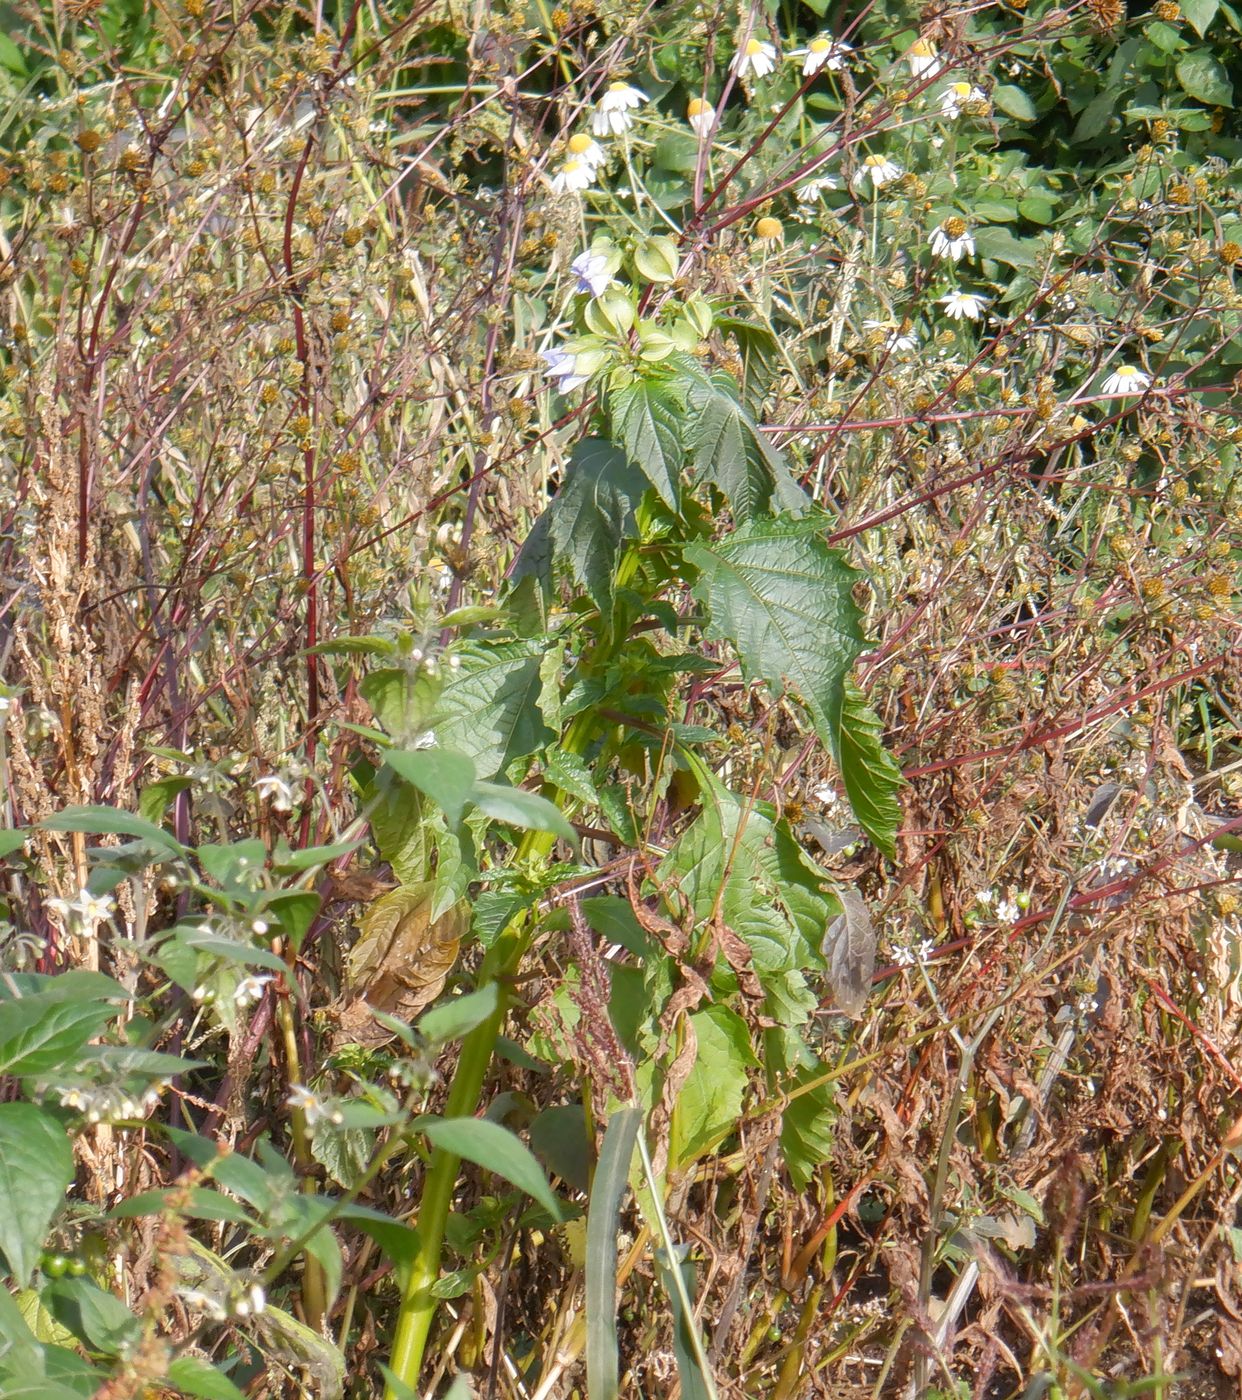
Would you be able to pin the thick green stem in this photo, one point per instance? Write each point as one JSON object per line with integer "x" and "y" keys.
{"x": 418, "y": 1305}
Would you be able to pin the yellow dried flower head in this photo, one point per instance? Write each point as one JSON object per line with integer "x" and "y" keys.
{"x": 88, "y": 140}
{"x": 1229, "y": 253}
{"x": 769, "y": 230}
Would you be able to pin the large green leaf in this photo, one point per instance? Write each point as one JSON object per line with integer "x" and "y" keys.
{"x": 446, "y": 777}
{"x": 592, "y": 516}
{"x": 710, "y": 1102}
{"x": 782, "y": 597}
{"x": 488, "y": 709}
{"x": 646, "y": 421}
{"x": 36, "y": 1166}
{"x": 110, "y": 821}
{"x": 1202, "y": 76}
{"x": 39, "y": 1033}
{"x": 729, "y": 452}
{"x": 489, "y": 1145}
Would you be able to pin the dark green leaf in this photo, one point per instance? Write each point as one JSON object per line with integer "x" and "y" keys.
{"x": 109, "y": 821}
{"x": 527, "y": 810}
{"x": 94, "y": 1316}
{"x": 453, "y": 1019}
{"x": 295, "y": 910}
{"x": 11, "y": 841}
{"x": 870, "y": 774}
{"x": 36, "y": 1167}
{"x": 200, "y": 1379}
{"x": 710, "y": 1103}
{"x": 43, "y": 1032}
{"x": 1200, "y": 13}
{"x": 1014, "y": 103}
{"x": 646, "y": 419}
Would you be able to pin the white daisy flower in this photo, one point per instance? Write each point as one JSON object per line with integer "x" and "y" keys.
{"x": 756, "y": 56}
{"x": 701, "y": 115}
{"x": 963, "y": 305}
{"x": 576, "y": 174}
{"x": 879, "y": 170}
{"x": 952, "y": 239}
{"x": 922, "y": 57}
{"x": 823, "y": 52}
{"x": 612, "y": 112}
{"x": 1127, "y": 379}
{"x": 897, "y": 338}
{"x": 591, "y": 270}
{"x": 586, "y": 149}
{"x": 957, "y": 95}
{"x": 562, "y": 366}
{"x": 816, "y": 186}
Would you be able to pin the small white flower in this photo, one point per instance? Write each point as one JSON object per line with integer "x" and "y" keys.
{"x": 957, "y": 95}
{"x": 825, "y": 794}
{"x": 612, "y": 112}
{"x": 823, "y": 52}
{"x": 963, "y": 305}
{"x": 591, "y": 270}
{"x": 922, "y": 57}
{"x": 562, "y": 366}
{"x": 897, "y": 338}
{"x": 278, "y": 792}
{"x": 312, "y": 1107}
{"x": 985, "y": 897}
{"x": 251, "y": 1303}
{"x": 816, "y": 186}
{"x": 86, "y": 911}
{"x": 574, "y": 175}
{"x": 904, "y": 957}
{"x": 250, "y": 989}
{"x": 701, "y": 115}
{"x": 756, "y": 56}
{"x": 1127, "y": 379}
{"x": 947, "y": 243}
{"x": 586, "y": 149}
{"x": 1008, "y": 911}
{"x": 196, "y": 1298}
{"x": 925, "y": 950}
{"x": 879, "y": 170}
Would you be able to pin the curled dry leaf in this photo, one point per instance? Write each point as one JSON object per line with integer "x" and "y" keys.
{"x": 401, "y": 960}
{"x": 849, "y": 947}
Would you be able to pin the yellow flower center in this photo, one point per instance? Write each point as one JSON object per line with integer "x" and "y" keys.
{"x": 572, "y": 164}
{"x": 873, "y": 161}
{"x": 579, "y": 145}
{"x": 954, "y": 228}
{"x": 697, "y": 107}
{"x": 1126, "y": 372}
{"x": 769, "y": 230}
{"x": 617, "y": 87}
{"x": 753, "y": 47}
{"x": 922, "y": 48}
{"x": 961, "y": 89}
{"x": 819, "y": 46}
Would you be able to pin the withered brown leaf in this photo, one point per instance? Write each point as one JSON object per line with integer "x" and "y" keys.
{"x": 401, "y": 960}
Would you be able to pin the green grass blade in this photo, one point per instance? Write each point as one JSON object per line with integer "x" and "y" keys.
{"x": 611, "y": 1176}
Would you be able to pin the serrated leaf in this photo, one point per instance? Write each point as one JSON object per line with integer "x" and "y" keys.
{"x": 646, "y": 422}
{"x": 1204, "y": 77}
{"x": 806, "y": 1128}
{"x": 36, "y": 1168}
{"x": 782, "y": 597}
{"x": 728, "y": 451}
{"x": 868, "y": 771}
{"x": 488, "y": 709}
{"x": 849, "y": 951}
{"x": 572, "y": 775}
{"x": 710, "y": 1102}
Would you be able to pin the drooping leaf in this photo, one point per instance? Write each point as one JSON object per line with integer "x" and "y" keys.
{"x": 871, "y": 776}
{"x": 611, "y": 1179}
{"x": 849, "y": 950}
{"x": 696, "y": 1381}
{"x": 728, "y": 451}
{"x": 402, "y": 958}
{"x": 110, "y": 821}
{"x": 760, "y": 358}
{"x": 646, "y": 422}
{"x": 488, "y": 709}
{"x": 36, "y": 1167}
{"x": 528, "y": 810}
{"x": 488, "y": 1145}
{"x": 782, "y": 597}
